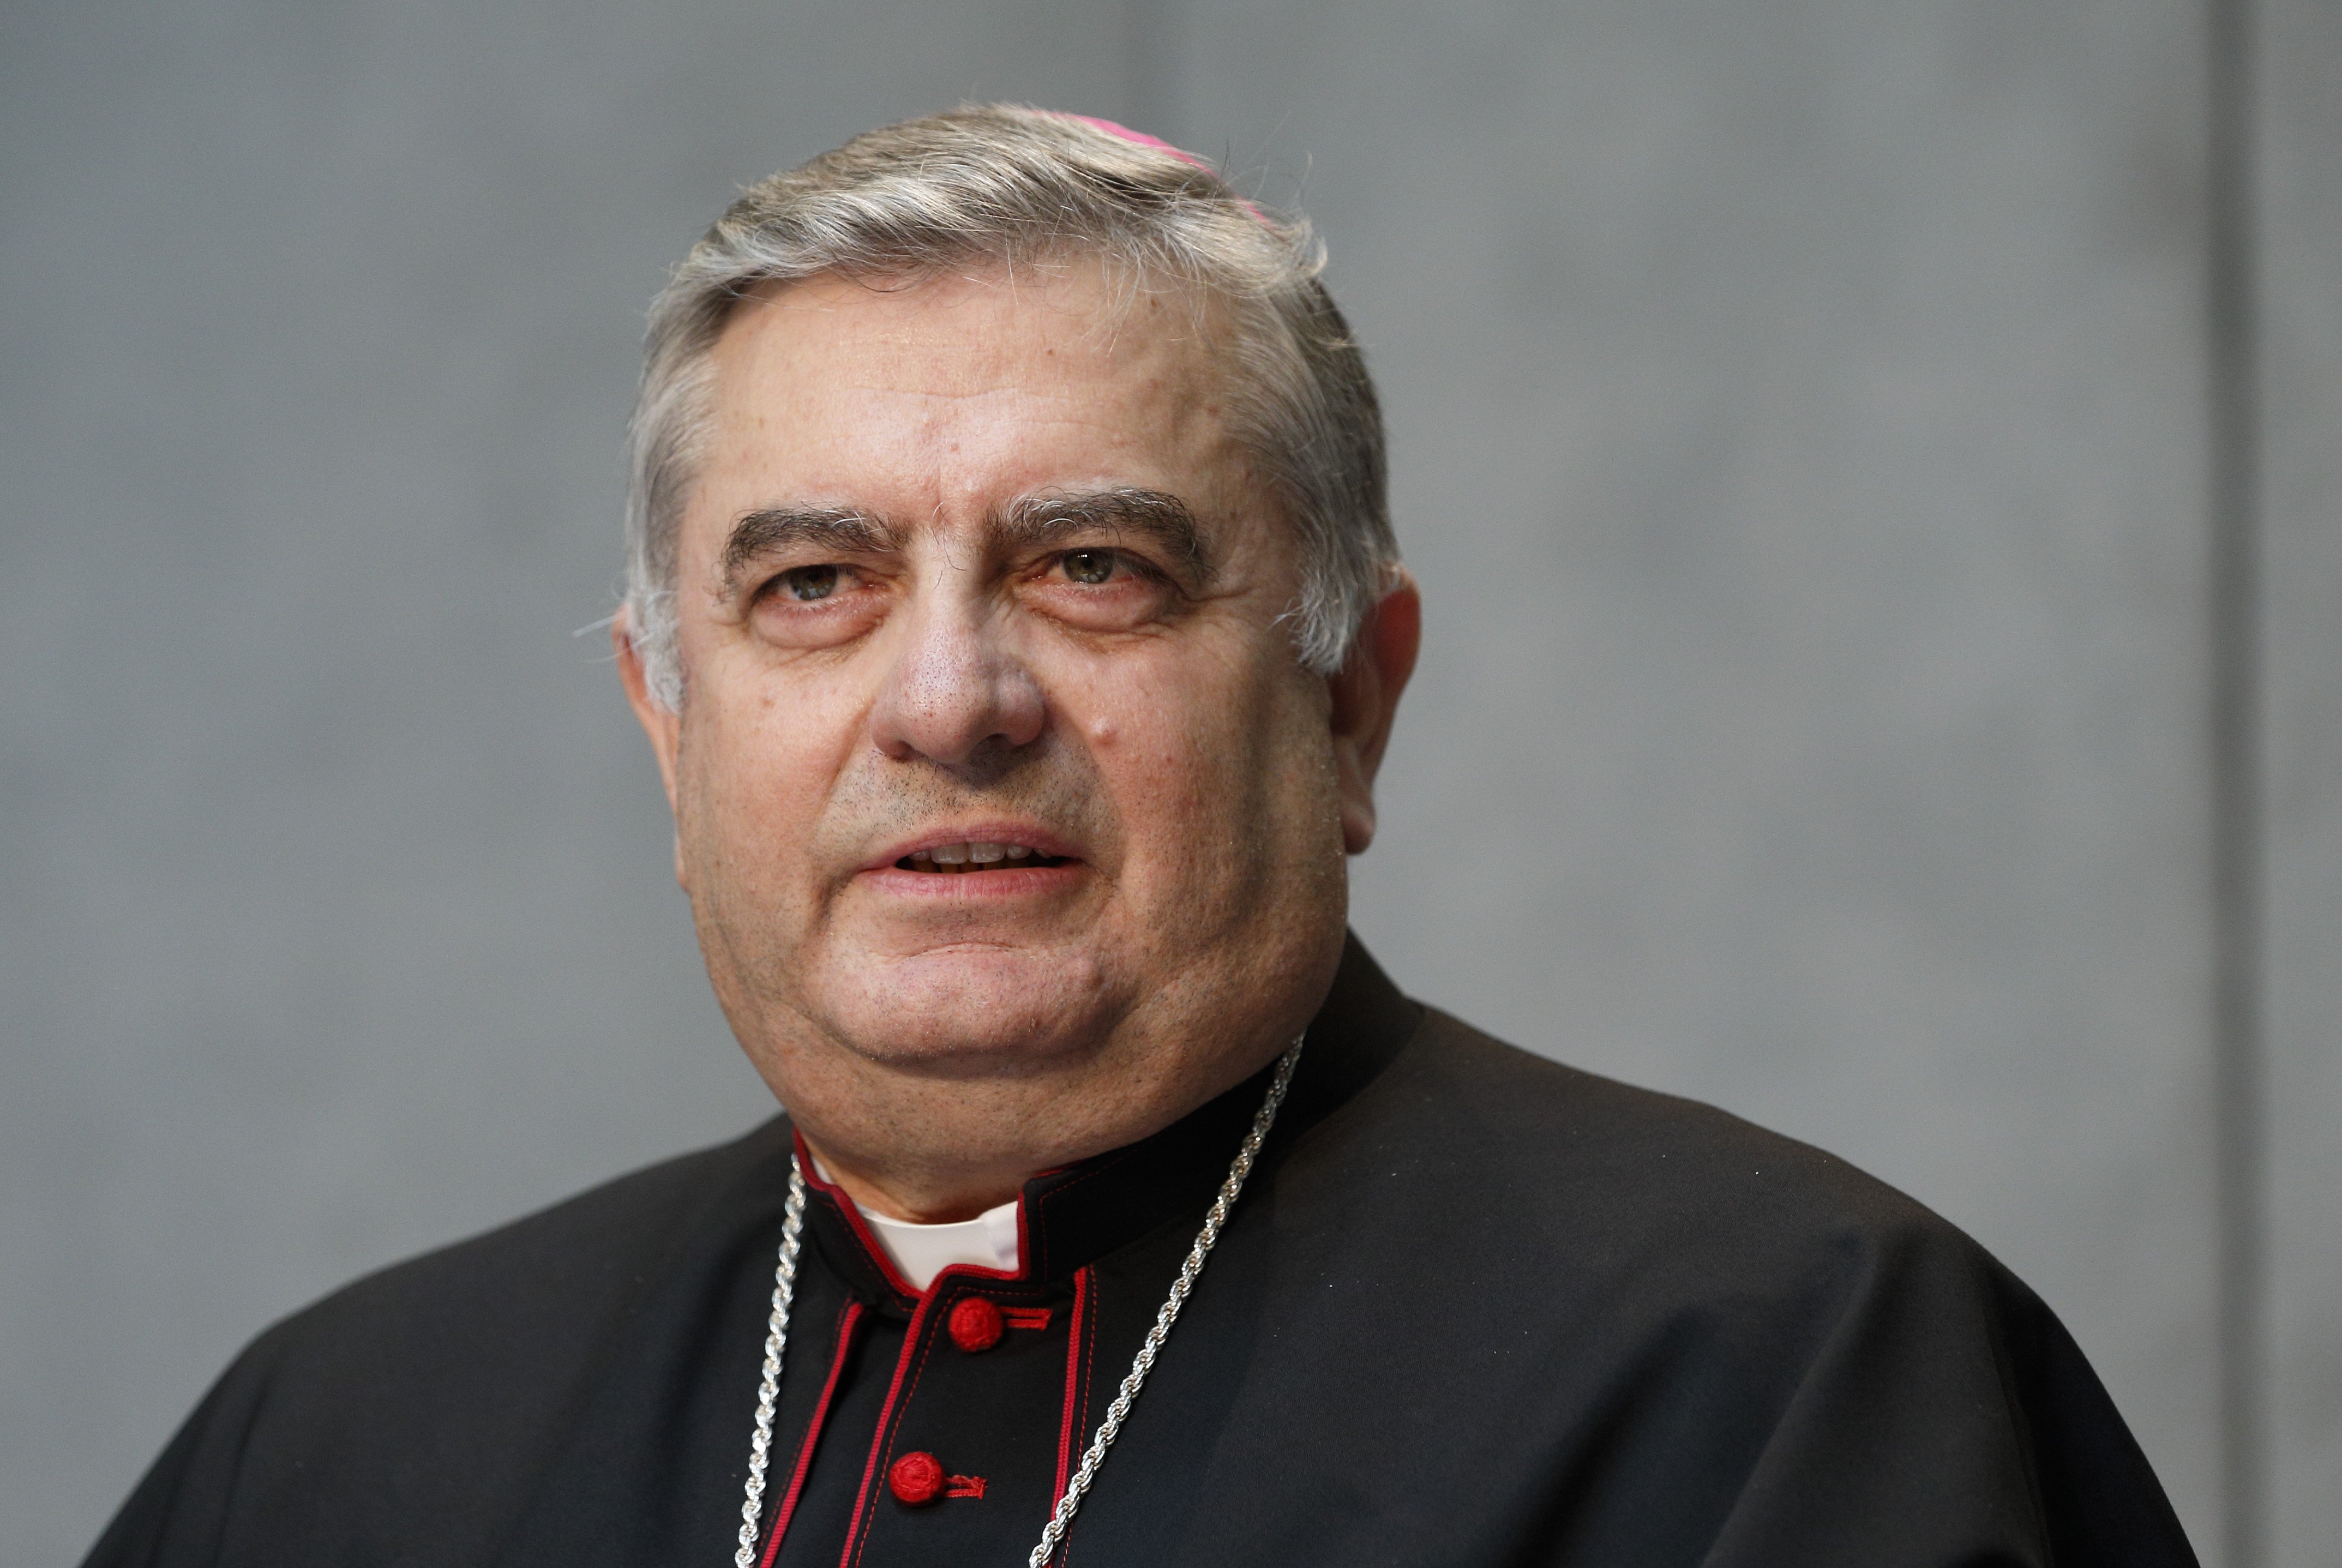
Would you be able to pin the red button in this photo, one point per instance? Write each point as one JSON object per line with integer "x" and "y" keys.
{"x": 917, "y": 1479}
{"x": 976, "y": 1324}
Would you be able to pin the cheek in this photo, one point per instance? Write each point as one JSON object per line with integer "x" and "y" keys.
{"x": 757, "y": 765}
{"x": 1219, "y": 782}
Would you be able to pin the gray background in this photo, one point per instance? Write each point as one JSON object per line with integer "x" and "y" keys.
{"x": 1802, "y": 427}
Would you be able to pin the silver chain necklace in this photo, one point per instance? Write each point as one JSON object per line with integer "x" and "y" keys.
{"x": 784, "y": 1281}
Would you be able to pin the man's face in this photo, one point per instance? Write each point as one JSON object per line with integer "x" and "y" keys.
{"x": 1012, "y": 827}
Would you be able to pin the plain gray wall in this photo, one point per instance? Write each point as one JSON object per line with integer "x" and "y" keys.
{"x": 2300, "y": 125}
{"x": 1799, "y": 426}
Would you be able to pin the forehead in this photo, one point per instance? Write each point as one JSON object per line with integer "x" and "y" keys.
{"x": 944, "y": 394}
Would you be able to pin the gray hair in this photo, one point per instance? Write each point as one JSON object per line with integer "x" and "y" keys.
{"x": 1014, "y": 186}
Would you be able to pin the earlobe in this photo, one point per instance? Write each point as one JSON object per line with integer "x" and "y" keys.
{"x": 1365, "y": 693}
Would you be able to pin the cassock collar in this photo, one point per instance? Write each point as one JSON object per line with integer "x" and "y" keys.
{"x": 1069, "y": 1218}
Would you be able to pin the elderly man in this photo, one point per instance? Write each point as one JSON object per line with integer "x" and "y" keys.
{"x": 1017, "y": 620}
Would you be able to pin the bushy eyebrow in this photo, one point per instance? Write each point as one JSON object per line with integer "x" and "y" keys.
{"x": 1034, "y": 523}
{"x": 1039, "y": 521}
{"x": 775, "y": 528}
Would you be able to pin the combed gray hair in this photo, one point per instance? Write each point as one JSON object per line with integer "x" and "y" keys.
{"x": 1016, "y": 186}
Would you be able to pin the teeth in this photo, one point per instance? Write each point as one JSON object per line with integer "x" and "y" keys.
{"x": 968, "y": 856}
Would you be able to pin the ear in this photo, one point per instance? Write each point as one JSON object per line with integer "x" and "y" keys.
{"x": 1365, "y": 693}
{"x": 663, "y": 724}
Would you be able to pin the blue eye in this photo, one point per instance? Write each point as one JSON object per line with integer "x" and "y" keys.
{"x": 1089, "y": 566}
{"x": 808, "y": 583}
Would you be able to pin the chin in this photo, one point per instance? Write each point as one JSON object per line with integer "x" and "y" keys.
{"x": 976, "y": 1007}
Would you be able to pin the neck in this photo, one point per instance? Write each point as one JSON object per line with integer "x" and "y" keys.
{"x": 936, "y": 1200}
{"x": 919, "y": 1146}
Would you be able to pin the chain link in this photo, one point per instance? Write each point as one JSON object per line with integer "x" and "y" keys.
{"x": 1135, "y": 1379}
{"x": 776, "y": 1339}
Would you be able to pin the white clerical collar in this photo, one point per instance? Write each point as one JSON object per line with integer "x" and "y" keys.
{"x": 920, "y": 1252}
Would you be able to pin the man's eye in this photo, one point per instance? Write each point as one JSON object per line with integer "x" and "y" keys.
{"x": 809, "y": 582}
{"x": 1090, "y": 566}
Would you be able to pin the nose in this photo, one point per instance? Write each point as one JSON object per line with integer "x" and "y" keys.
{"x": 954, "y": 689}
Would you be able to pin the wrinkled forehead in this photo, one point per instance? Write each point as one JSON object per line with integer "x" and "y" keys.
{"x": 946, "y": 393}
{"x": 1076, "y": 298}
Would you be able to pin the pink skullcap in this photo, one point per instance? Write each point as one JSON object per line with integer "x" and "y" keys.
{"x": 1141, "y": 139}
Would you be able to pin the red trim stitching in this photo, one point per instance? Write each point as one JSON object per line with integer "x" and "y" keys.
{"x": 1073, "y": 1384}
{"x": 1089, "y": 1366}
{"x": 848, "y": 1321}
{"x": 1036, "y": 1317}
{"x": 878, "y": 1254}
{"x": 1024, "y": 1239}
{"x": 854, "y": 1533}
{"x": 885, "y": 1260}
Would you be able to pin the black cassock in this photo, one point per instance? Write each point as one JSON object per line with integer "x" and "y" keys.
{"x": 1474, "y": 1308}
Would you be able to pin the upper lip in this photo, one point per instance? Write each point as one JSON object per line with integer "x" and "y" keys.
{"x": 1037, "y": 839}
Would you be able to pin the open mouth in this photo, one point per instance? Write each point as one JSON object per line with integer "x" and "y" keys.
{"x": 963, "y": 859}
